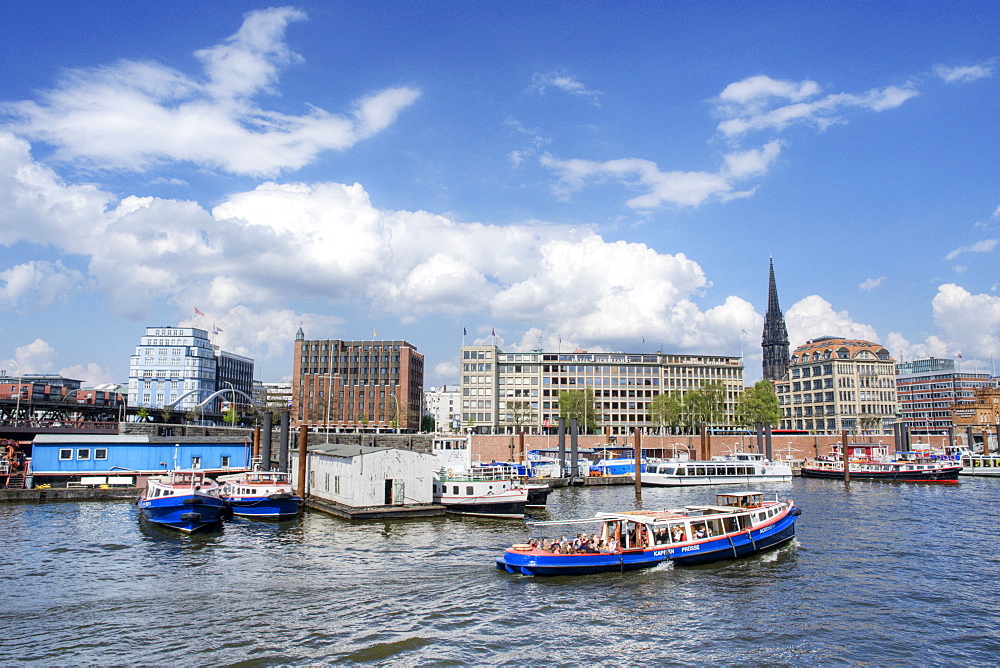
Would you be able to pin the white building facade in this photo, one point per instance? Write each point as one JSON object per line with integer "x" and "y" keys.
{"x": 443, "y": 404}
{"x": 513, "y": 392}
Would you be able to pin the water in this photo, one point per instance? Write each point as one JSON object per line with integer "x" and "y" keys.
{"x": 879, "y": 573}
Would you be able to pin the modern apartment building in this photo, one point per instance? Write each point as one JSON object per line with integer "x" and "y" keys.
{"x": 512, "y": 392}
{"x": 356, "y": 385}
{"x": 930, "y": 390}
{"x": 180, "y": 367}
{"x": 836, "y": 384}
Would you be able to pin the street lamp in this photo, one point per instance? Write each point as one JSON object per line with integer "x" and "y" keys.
{"x": 395, "y": 403}
{"x": 329, "y": 399}
{"x": 232, "y": 405}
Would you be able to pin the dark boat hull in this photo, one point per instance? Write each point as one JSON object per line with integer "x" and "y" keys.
{"x": 948, "y": 474}
{"x": 513, "y": 509}
{"x": 537, "y": 496}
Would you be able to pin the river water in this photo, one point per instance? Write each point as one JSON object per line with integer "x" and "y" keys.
{"x": 879, "y": 573}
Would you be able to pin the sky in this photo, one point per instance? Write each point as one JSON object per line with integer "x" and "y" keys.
{"x": 601, "y": 176}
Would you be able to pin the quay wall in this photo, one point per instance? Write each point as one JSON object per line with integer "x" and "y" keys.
{"x": 505, "y": 447}
{"x": 38, "y": 495}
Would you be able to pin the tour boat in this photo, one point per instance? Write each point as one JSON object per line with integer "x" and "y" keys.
{"x": 260, "y": 494}
{"x": 741, "y": 467}
{"x": 980, "y": 464}
{"x": 904, "y": 467}
{"x": 480, "y": 491}
{"x": 738, "y": 525}
{"x": 186, "y": 500}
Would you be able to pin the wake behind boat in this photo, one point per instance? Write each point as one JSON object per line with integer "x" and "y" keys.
{"x": 738, "y": 525}
{"x": 186, "y": 500}
{"x": 260, "y": 494}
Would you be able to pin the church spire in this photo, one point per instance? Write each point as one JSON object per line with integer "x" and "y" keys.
{"x": 775, "y": 337}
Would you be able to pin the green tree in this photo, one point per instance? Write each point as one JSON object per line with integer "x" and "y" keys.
{"x": 666, "y": 411}
{"x": 757, "y": 404}
{"x": 143, "y": 414}
{"x": 516, "y": 412}
{"x": 707, "y": 404}
{"x": 166, "y": 414}
{"x": 579, "y": 404}
{"x": 229, "y": 416}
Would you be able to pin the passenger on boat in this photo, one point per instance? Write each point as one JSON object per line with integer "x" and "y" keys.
{"x": 612, "y": 545}
{"x": 699, "y": 531}
{"x": 661, "y": 536}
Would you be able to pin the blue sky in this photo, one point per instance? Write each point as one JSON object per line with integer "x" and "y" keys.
{"x": 603, "y": 176}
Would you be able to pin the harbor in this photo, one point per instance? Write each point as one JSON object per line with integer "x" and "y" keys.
{"x": 869, "y": 561}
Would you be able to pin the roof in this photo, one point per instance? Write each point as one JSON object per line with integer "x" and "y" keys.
{"x": 346, "y": 450}
{"x": 113, "y": 439}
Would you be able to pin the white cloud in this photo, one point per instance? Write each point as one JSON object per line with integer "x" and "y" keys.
{"x": 91, "y": 374}
{"x": 970, "y": 323}
{"x": 762, "y": 103}
{"x": 996, "y": 213}
{"x": 565, "y": 83}
{"x": 673, "y": 187}
{"x": 36, "y": 285}
{"x": 964, "y": 74}
{"x": 447, "y": 370}
{"x": 813, "y": 316}
{"x": 36, "y": 357}
{"x": 984, "y": 246}
{"x": 871, "y": 283}
{"x": 135, "y": 115}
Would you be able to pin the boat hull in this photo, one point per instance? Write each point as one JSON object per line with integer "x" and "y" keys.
{"x": 187, "y": 513}
{"x": 658, "y": 480}
{"x": 947, "y": 474}
{"x": 729, "y": 546}
{"x": 271, "y": 507}
{"x": 538, "y": 495}
{"x": 487, "y": 508}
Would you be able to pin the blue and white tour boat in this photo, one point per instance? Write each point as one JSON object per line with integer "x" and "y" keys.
{"x": 740, "y": 467}
{"x": 739, "y": 524}
{"x": 184, "y": 499}
{"x": 260, "y": 494}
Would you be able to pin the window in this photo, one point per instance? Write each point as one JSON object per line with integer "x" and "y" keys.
{"x": 65, "y": 453}
{"x": 196, "y": 462}
{"x": 100, "y": 453}
{"x": 225, "y": 461}
{"x": 83, "y": 453}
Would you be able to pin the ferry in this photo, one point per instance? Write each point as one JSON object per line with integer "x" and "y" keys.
{"x": 260, "y": 494}
{"x": 738, "y": 524}
{"x": 741, "y": 467}
{"x": 980, "y": 465}
{"x": 185, "y": 499}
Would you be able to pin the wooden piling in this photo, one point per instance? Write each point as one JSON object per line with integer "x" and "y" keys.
{"x": 638, "y": 462}
{"x": 303, "y": 448}
{"x": 255, "y": 457}
{"x": 847, "y": 458}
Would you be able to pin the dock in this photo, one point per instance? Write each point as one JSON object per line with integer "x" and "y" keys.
{"x": 45, "y": 494}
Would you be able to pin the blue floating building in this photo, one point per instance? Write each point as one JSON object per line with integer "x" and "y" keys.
{"x": 128, "y": 460}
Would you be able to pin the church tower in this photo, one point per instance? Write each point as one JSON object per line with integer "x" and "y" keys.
{"x": 775, "y": 339}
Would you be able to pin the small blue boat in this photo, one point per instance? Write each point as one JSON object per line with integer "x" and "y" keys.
{"x": 261, "y": 495}
{"x": 185, "y": 500}
{"x": 737, "y": 525}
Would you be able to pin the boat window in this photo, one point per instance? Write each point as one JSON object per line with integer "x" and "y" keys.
{"x": 666, "y": 471}
{"x": 681, "y": 470}
{"x": 700, "y": 470}
{"x": 709, "y": 470}
{"x": 732, "y": 526}
{"x": 468, "y": 490}
{"x": 741, "y": 470}
{"x": 454, "y": 490}
{"x": 714, "y": 527}
{"x": 763, "y": 516}
{"x": 730, "y": 470}
{"x": 744, "y": 521}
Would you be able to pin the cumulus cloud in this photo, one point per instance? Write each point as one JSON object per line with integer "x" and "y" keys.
{"x": 965, "y": 74}
{"x": 871, "y": 283}
{"x": 37, "y": 285}
{"x": 813, "y": 316}
{"x": 233, "y": 262}
{"x": 135, "y": 115}
{"x": 91, "y": 374}
{"x": 984, "y": 246}
{"x": 969, "y": 322}
{"x": 36, "y": 357}
{"x": 762, "y": 103}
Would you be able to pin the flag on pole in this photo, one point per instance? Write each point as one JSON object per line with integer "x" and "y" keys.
{"x": 374, "y": 334}
{"x": 493, "y": 332}
{"x": 464, "y": 332}
{"x": 960, "y": 356}
{"x": 197, "y": 312}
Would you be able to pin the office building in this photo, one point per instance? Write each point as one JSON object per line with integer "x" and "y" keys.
{"x": 443, "y": 406}
{"x": 356, "y": 385}
{"x": 931, "y": 390}
{"x": 513, "y": 392}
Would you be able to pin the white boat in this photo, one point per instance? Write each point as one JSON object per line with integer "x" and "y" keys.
{"x": 980, "y": 465}
{"x": 260, "y": 494}
{"x": 742, "y": 467}
{"x": 460, "y": 487}
{"x": 184, "y": 499}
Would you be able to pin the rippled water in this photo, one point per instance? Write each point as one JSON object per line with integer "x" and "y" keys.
{"x": 880, "y": 573}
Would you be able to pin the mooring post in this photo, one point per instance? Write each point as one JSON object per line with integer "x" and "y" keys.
{"x": 283, "y": 442}
{"x": 265, "y": 441}
{"x": 768, "y": 450}
{"x": 303, "y": 448}
{"x": 255, "y": 457}
{"x": 520, "y": 449}
{"x": 847, "y": 458}
{"x": 638, "y": 461}
{"x": 561, "y": 440}
{"x": 574, "y": 448}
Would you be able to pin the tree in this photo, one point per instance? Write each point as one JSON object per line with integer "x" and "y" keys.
{"x": 705, "y": 405}
{"x": 166, "y": 414}
{"x": 230, "y": 415}
{"x": 757, "y": 404}
{"x": 665, "y": 410}
{"x": 579, "y": 404}
{"x": 517, "y": 412}
{"x": 143, "y": 414}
